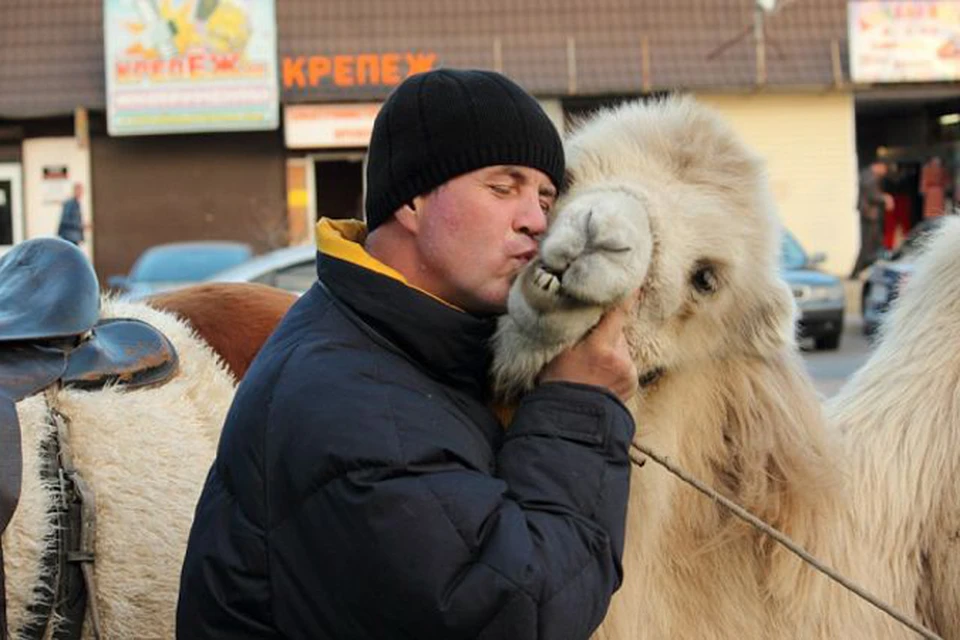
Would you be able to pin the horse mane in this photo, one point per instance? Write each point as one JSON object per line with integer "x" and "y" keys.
{"x": 234, "y": 318}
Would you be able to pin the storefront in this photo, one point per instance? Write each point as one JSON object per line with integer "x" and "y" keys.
{"x": 905, "y": 57}
{"x": 249, "y": 120}
{"x": 911, "y": 128}
{"x": 156, "y": 189}
{"x": 168, "y": 123}
{"x": 326, "y": 142}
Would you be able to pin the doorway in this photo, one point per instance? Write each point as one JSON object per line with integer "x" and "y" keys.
{"x": 338, "y": 182}
{"x": 908, "y": 129}
{"x": 11, "y": 200}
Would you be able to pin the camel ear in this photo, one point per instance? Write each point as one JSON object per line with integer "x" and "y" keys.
{"x": 770, "y": 326}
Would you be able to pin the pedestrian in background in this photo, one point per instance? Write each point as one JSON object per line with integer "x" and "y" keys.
{"x": 71, "y": 218}
{"x": 872, "y": 204}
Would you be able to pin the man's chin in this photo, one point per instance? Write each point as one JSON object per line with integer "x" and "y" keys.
{"x": 517, "y": 272}
{"x": 487, "y": 310}
{"x": 492, "y": 306}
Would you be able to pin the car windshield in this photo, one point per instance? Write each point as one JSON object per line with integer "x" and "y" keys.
{"x": 792, "y": 255}
{"x": 186, "y": 264}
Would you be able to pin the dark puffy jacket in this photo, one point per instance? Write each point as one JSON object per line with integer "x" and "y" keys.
{"x": 363, "y": 488}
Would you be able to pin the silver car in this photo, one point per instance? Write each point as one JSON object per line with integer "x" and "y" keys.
{"x": 293, "y": 269}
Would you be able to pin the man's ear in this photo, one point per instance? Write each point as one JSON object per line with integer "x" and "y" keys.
{"x": 408, "y": 216}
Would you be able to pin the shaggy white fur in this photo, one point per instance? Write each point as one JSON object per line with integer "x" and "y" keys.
{"x": 145, "y": 453}
{"x": 730, "y": 401}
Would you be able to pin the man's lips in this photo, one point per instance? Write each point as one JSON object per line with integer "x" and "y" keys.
{"x": 526, "y": 256}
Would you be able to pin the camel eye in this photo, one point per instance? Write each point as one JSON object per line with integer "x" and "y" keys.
{"x": 704, "y": 279}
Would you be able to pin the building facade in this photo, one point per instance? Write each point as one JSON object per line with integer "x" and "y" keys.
{"x": 780, "y": 72}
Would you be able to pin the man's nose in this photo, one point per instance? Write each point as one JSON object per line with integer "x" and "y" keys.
{"x": 531, "y": 220}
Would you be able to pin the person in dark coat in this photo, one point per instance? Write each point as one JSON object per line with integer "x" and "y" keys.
{"x": 363, "y": 487}
{"x": 872, "y": 204}
{"x": 71, "y": 219}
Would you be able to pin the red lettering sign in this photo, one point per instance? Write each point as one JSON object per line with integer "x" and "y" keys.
{"x": 366, "y": 69}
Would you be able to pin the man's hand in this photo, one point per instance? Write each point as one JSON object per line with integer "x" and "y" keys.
{"x": 888, "y": 202}
{"x": 601, "y": 359}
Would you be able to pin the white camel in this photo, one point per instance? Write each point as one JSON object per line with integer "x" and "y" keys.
{"x": 664, "y": 198}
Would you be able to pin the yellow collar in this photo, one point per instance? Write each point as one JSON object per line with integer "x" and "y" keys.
{"x": 343, "y": 239}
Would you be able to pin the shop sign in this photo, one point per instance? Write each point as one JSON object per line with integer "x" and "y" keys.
{"x": 897, "y": 41}
{"x": 56, "y": 187}
{"x": 328, "y": 126}
{"x": 185, "y": 66}
{"x": 370, "y": 69}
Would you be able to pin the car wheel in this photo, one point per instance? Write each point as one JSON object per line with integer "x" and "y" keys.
{"x": 829, "y": 342}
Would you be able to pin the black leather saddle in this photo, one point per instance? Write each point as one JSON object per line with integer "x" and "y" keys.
{"x": 50, "y": 331}
{"x": 48, "y": 289}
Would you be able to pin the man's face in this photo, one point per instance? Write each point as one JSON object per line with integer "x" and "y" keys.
{"x": 475, "y": 233}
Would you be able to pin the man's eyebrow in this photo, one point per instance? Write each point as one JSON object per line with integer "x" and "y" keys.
{"x": 516, "y": 174}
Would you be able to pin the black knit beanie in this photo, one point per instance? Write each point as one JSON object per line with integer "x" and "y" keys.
{"x": 441, "y": 124}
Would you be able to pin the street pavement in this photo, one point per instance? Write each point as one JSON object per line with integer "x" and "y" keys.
{"x": 831, "y": 369}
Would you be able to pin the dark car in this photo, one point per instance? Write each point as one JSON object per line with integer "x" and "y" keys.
{"x": 820, "y": 296}
{"x": 892, "y": 270}
{"x": 178, "y": 264}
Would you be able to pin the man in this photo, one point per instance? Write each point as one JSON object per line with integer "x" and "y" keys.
{"x": 872, "y": 205}
{"x": 71, "y": 220}
{"x": 363, "y": 488}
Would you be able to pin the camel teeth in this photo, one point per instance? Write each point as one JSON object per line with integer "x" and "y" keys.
{"x": 546, "y": 281}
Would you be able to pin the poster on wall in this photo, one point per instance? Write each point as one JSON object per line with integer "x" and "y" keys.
{"x": 900, "y": 41}
{"x": 56, "y": 184}
{"x": 190, "y": 66}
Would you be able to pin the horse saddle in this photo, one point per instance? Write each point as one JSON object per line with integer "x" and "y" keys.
{"x": 50, "y": 331}
{"x": 48, "y": 289}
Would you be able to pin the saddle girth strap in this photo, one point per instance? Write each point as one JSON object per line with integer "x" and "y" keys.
{"x": 3, "y": 598}
{"x": 10, "y": 465}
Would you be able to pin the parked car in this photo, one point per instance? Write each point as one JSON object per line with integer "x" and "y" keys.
{"x": 166, "y": 267}
{"x": 293, "y": 269}
{"x": 820, "y": 296}
{"x": 892, "y": 270}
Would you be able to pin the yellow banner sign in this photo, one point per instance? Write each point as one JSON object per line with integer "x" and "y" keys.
{"x": 894, "y": 41}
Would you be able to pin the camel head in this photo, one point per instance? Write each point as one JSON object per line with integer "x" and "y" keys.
{"x": 664, "y": 202}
